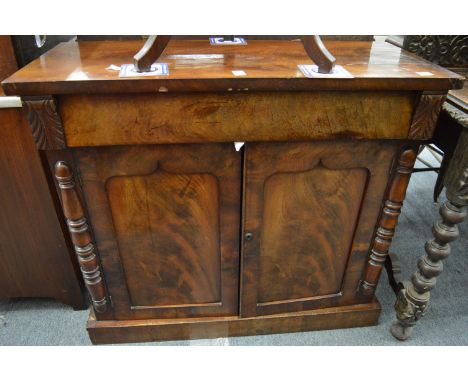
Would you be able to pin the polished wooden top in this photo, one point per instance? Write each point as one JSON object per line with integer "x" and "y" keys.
{"x": 80, "y": 67}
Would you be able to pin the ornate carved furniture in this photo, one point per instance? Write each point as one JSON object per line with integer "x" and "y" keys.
{"x": 413, "y": 298}
{"x": 451, "y": 136}
{"x": 450, "y": 51}
{"x": 181, "y": 236}
{"x": 34, "y": 255}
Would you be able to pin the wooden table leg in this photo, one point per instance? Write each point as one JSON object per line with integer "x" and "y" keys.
{"x": 412, "y": 301}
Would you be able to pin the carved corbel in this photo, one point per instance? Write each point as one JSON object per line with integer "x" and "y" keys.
{"x": 45, "y": 122}
{"x": 425, "y": 116}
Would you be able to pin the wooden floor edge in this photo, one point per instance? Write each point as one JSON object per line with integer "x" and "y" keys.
{"x": 108, "y": 332}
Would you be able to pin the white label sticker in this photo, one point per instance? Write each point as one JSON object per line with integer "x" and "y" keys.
{"x": 239, "y": 73}
{"x": 311, "y": 71}
{"x": 222, "y": 41}
{"x": 158, "y": 69}
{"x": 425, "y": 74}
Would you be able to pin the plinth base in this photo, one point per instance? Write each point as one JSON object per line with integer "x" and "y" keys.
{"x": 123, "y": 331}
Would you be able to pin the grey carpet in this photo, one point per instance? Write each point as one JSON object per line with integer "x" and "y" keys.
{"x": 47, "y": 322}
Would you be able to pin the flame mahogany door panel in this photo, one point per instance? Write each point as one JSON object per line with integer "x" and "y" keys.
{"x": 310, "y": 211}
{"x": 166, "y": 224}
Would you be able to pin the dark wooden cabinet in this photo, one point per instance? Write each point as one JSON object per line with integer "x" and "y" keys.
{"x": 35, "y": 256}
{"x": 167, "y": 219}
{"x": 310, "y": 209}
{"x": 178, "y": 235}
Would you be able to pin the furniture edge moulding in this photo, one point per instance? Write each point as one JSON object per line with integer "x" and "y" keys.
{"x": 81, "y": 237}
{"x": 425, "y": 115}
{"x": 45, "y": 122}
{"x": 388, "y": 220}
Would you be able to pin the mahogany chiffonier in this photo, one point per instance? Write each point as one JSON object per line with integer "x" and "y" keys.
{"x": 181, "y": 236}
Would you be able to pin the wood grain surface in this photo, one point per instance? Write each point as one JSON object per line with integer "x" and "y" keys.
{"x": 307, "y": 216}
{"x": 122, "y": 331}
{"x": 81, "y": 67}
{"x": 35, "y": 254}
{"x": 8, "y": 64}
{"x": 167, "y": 227}
{"x": 166, "y": 222}
{"x": 212, "y": 117}
{"x": 310, "y": 210}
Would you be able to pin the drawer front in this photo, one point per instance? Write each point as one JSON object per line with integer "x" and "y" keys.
{"x": 97, "y": 120}
{"x": 309, "y": 215}
{"x": 166, "y": 225}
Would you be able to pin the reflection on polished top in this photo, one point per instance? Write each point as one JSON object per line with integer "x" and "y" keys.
{"x": 80, "y": 67}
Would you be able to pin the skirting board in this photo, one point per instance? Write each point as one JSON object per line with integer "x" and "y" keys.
{"x": 124, "y": 331}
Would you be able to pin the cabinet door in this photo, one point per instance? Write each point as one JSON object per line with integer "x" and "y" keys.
{"x": 309, "y": 215}
{"x": 166, "y": 221}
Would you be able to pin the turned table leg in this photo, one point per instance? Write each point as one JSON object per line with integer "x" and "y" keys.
{"x": 412, "y": 301}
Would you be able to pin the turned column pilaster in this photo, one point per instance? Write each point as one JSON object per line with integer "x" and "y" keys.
{"x": 81, "y": 237}
{"x": 388, "y": 221}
